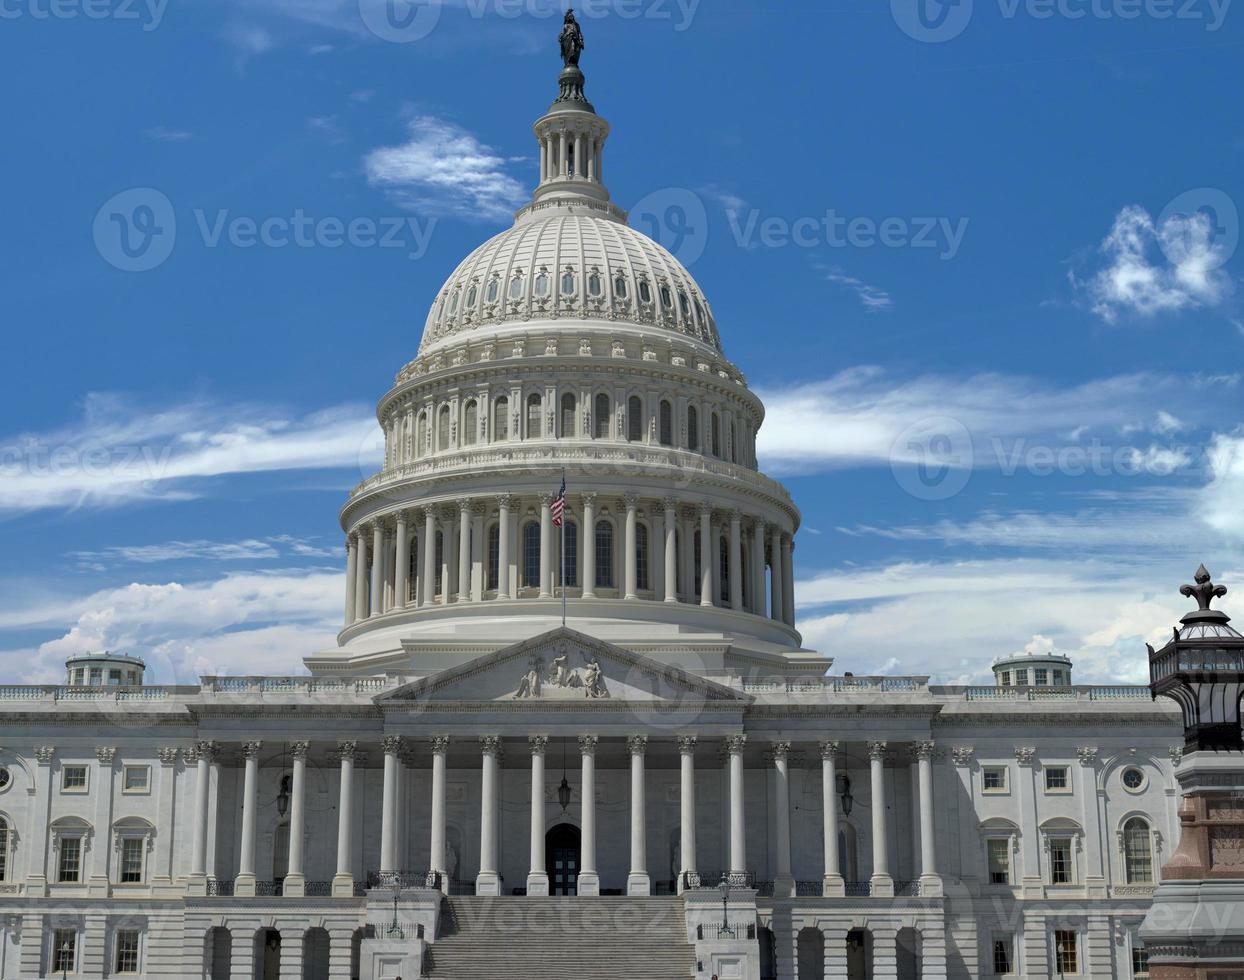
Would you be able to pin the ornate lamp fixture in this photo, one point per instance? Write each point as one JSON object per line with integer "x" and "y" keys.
{"x": 1202, "y": 669}
{"x": 844, "y": 793}
{"x": 282, "y": 797}
{"x": 563, "y": 791}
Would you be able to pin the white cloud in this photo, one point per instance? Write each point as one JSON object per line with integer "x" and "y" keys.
{"x": 1155, "y": 268}
{"x": 120, "y": 452}
{"x": 857, "y": 417}
{"x": 1221, "y": 504}
{"x": 444, "y": 169}
{"x": 162, "y": 134}
{"x": 247, "y": 41}
{"x": 249, "y": 549}
{"x": 241, "y": 623}
{"x": 873, "y": 299}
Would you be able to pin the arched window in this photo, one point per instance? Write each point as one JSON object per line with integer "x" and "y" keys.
{"x": 593, "y": 284}
{"x": 421, "y": 435}
{"x": 684, "y": 305}
{"x": 442, "y": 429}
{"x": 723, "y": 571}
{"x": 568, "y": 421}
{"x": 533, "y": 417}
{"x": 645, "y": 291}
{"x": 4, "y": 849}
{"x": 567, "y": 283}
{"x": 693, "y": 429}
{"x": 667, "y": 298}
{"x": 1138, "y": 852}
{"x": 471, "y": 294}
{"x": 619, "y": 287}
{"x": 641, "y": 557}
{"x": 494, "y": 557}
{"x": 745, "y": 561}
{"x": 516, "y": 287}
{"x": 453, "y": 303}
{"x": 531, "y": 555}
{"x": 604, "y": 555}
{"x": 470, "y": 423}
{"x": 542, "y": 285}
{"x": 570, "y": 569}
{"x": 438, "y": 585}
{"x": 501, "y": 419}
{"x": 715, "y": 434}
{"x": 490, "y": 294}
{"x": 666, "y": 425}
{"x": 635, "y": 419}
{"x": 600, "y": 418}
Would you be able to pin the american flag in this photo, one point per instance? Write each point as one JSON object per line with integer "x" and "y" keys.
{"x": 559, "y": 505}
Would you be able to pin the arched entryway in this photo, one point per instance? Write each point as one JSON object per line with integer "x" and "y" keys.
{"x": 858, "y": 954}
{"x": 562, "y": 851}
{"x": 270, "y": 951}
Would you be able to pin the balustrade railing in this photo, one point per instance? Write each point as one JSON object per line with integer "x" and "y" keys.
{"x": 220, "y": 887}
{"x": 840, "y": 685}
{"x": 400, "y": 879}
{"x": 721, "y": 930}
{"x": 857, "y": 889}
{"x": 297, "y": 685}
{"x": 1077, "y": 693}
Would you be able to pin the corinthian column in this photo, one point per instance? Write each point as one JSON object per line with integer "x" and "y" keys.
{"x": 343, "y": 880}
{"x": 671, "y": 549}
{"x": 686, "y": 844}
{"x": 776, "y": 576}
{"x": 784, "y": 883}
{"x": 392, "y": 745}
{"x": 440, "y": 751}
{"x": 377, "y": 569}
{"x": 295, "y": 880}
{"x": 587, "y": 534}
{"x": 537, "y": 876}
{"x": 503, "y": 546}
{"x": 832, "y": 885}
{"x": 361, "y": 605}
{"x": 632, "y": 502}
{"x": 881, "y": 882}
{"x": 245, "y": 882}
{"x": 637, "y": 882}
{"x": 706, "y": 555}
{"x": 589, "y": 880}
{"x": 738, "y": 833}
{"x": 401, "y": 571}
{"x": 758, "y": 568}
{"x": 464, "y": 550}
{"x": 736, "y": 560}
{"x": 488, "y": 882}
{"x": 546, "y": 545}
{"x": 429, "y": 556}
{"x": 352, "y": 557}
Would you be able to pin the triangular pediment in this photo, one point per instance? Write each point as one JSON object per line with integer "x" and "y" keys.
{"x": 563, "y": 665}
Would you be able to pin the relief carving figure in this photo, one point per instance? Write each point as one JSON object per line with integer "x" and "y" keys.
{"x": 563, "y": 675}
{"x": 594, "y": 680}
{"x": 529, "y": 686}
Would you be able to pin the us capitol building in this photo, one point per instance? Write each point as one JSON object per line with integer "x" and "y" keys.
{"x": 667, "y": 785}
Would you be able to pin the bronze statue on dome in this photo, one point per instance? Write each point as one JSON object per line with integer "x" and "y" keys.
{"x": 571, "y": 39}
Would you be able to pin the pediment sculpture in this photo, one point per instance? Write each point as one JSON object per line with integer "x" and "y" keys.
{"x": 563, "y": 677}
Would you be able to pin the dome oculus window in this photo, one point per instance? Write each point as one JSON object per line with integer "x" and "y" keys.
{"x": 1133, "y": 779}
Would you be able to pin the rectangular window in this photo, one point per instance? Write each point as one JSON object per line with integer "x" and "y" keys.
{"x": 114, "y": 677}
{"x": 1140, "y": 959}
{"x": 132, "y": 860}
{"x": 1021, "y": 678}
{"x": 1006, "y": 678}
{"x": 73, "y": 779}
{"x": 70, "y": 867}
{"x": 1003, "y": 961}
{"x": 1057, "y": 779}
{"x": 4, "y": 851}
{"x": 64, "y": 951}
{"x": 1042, "y": 676}
{"x": 994, "y": 779}
{"x": 137, "y": 779}
{"x": 1066, "y": 954}
{"x": 1060, "y": 861}
{"x": 999, "y": 860}
{"x": 1059, "y": 678}
{"x": 127, "y": 951}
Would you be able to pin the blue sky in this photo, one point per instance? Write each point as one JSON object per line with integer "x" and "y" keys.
{"x": 980, "y": 260}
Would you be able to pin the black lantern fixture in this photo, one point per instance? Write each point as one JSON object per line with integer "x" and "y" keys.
{"x": 844, "y": 793}
{"x": 563, "y": 791}
{"x": 1201, "y": 668}
{"x": 282, "y": 798}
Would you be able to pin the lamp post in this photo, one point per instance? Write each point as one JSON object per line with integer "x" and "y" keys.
{"x": 66, "y": 954}
{"x": 1201, "y": 668}
{"x": 724, "y": 887}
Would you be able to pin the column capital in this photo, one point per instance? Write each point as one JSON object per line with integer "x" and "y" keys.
{"x": 587, "y": 744}
{"x": 735, "y": 743}
{"x": 736, "y": 516}
{"x": 505, "y": 500}
{"x": 168, "y": 755}
{"x": 961, "y": 755}
{"x": 588, "y": 499}
{"x": 538, "y": 743}
{"x": 203, "y": 750}
{"x": 392, "y": 744}
{"x": 636, "y": 744}
{"x": 686, "y": 744}
{"x": 830, "y": 748}
{"x": 464, "y": 505}
{"x": 1025, "y": 755}
{"x": 251, "y": 750}
{"x": 669, "y": 503}
{"x": 1087, "y": 755}
{"x": 876, "y": 750}
{"x": 780, "y": 750}
{"x": 401, "y": 516}
{"x": 299, "y": 749}
{"x": 490, "y": 744}
{"x": 547, "y": 498}
{"x": 346, "y": 749}
{"x": 630, "y": 499}
{"x": 704, "y": 509}
{"x": 440, "y": 744}
{"x": 924, "y": 750}
{"x": 106, "y": 753}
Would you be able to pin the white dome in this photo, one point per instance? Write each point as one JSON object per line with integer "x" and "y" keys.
{"x": 570, "y": 258}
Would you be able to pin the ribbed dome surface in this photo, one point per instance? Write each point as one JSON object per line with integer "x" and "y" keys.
{"x": 569, "y": 259}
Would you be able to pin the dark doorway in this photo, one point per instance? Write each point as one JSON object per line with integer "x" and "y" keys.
{"x": 561, "y": 845}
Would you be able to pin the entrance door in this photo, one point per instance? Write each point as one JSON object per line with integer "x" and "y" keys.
{"x": 561, "y": 847}
{"x": 857, "y": 955}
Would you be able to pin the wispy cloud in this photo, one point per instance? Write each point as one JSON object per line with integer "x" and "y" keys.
{"x": 249, "y": 549}
{"x": 444, "y": 169}
{"x": 872, "y": 298}
{"x": 1157, "y": 266}
{"x": 162, "y": 134}
{"x": 120, "y": 452}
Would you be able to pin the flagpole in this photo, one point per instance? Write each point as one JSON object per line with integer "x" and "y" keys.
{"x": 563, "y": 562}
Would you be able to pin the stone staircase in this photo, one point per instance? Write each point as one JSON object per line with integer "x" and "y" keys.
{"x": 574, "y": 938}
